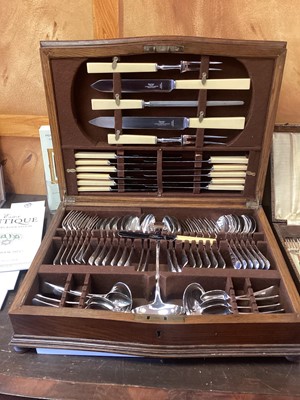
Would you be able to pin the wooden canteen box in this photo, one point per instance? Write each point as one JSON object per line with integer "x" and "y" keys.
{"x": 161, "y": 147}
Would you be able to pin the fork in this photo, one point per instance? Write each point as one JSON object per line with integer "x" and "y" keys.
{"x": 187, "y": 139}
{"x": 293, "y": 246}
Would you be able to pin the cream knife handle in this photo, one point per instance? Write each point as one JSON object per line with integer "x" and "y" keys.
{"x": 214, "y": 84}
{"x": 218, "y": 123}
{"x": 131, "y": 139}
{"x": 229, "y": 167}
{"x": 106, "y": 67}
{"x": 96, "y": 168}
{"x": 105, "y": 183}
{"x": 95, "y": 154}
{"x": 94, "y": 189}
{"x": 229, "y": 159}
{"x": 225, "y": 187}
{"x": 111, "y": 104}
{"x": 227, "y": 181}
{"x": 93, "y": 176}
{"x": 227, "y": 174}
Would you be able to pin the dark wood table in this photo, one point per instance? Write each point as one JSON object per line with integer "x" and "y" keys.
{"x": 86, "y": 377}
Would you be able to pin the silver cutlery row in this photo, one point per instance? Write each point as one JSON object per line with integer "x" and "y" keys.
{"x": 121, "y": 252}
{"x": 76, "y": 222}
{"x": 195, "y": 300}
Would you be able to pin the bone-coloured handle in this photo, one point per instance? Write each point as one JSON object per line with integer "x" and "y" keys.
{"x": 111, "y": 104}
{"x": 93, "y": 176}
{"x": 131, "y": 139}
{"x": 214, "y": 84}
{"x": 83, "y": 182}
{"x": 94, "y": 189}
{"x": 226, "y": 187}
{"x": 229, "y": 159}
{"x": 91, "y": 161}
{"x": 100, "y": 168}
{"x": 227, "y": 181}
{"x": 94, "y": 154}
{"x": 227, "y": 174}
{"x": 229, "y": 167}
{"x": 218, "y": 123}
{"x": 106, "y": 67}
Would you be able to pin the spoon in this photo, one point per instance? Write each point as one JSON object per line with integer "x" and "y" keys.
{"x": 119, "y": 294}
{"x": 100, "y": 303}
{"x": 158, "y": 306}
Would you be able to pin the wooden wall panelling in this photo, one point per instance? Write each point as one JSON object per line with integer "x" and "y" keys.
{"x": 230, "y": 19}
{"x": 106, "y": 19}
{"x": 22, "y": 102}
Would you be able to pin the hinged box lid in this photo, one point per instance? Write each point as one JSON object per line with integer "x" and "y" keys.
{"x": 204, "y": 71}
{"x": 286, "y": 174}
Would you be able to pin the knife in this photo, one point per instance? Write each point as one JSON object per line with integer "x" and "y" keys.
{"x": 112, "y": 168}
{"x": 171, "y": 123}
{"x": 212, "y": 173}
{"x": 183, "y": 66}
{"x": 167, "y": 85}
{"x": 111, "y": 104}
{"x": 109, "y": 155}
{"x": 111, "y": 182}
{"x": 154, "y": 189}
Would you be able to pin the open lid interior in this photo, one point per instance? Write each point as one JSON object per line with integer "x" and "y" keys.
{"x": 286, "y": 176}
{"x": 194, "y": 170}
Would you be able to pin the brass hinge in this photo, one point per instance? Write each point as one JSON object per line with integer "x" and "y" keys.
{"x": 252, "y": 204}
{"x": 163, "y": 49}
{"x": 69, "y": 200}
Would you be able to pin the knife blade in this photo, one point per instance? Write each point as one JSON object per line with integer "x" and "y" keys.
{"x": 132, "y": 104}
{"x": 111, "y": 67}
{"x": 171, "y": 123}
{"x": 168, "y": 85}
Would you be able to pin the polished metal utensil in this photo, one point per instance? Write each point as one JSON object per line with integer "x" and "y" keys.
{"x": 158, "y": 307}
{"x": 124, "y": 104}
{"x": 198, "y": 302}
{"x": 183, "y": 140}
{"x": 116, "y": 66}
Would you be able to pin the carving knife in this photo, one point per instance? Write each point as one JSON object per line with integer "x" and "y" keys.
{"x": 171, "y": 123}
{"x": 115, "y": 66}
{"x": 131, "y": 104}
{"x": 168, "y": 85}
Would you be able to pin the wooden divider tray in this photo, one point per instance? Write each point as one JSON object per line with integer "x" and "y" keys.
{"x": 157, "y": 171}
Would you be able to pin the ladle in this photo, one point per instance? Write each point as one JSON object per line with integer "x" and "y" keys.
{"x": 158, "y": 306}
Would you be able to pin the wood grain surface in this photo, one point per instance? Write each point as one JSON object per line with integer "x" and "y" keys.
{"x": 23, "y": 165}
{"x": 23, "y": 25}
{"x": 230, "y": 19}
